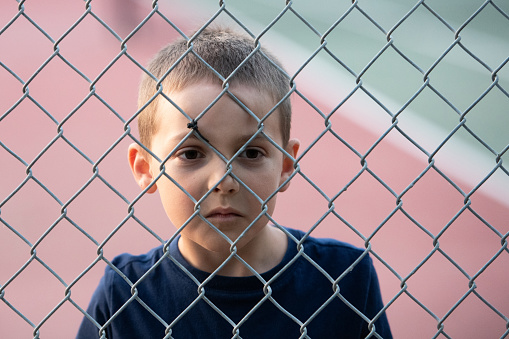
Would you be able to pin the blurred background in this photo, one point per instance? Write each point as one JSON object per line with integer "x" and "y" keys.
{"x": 413, "y": 162}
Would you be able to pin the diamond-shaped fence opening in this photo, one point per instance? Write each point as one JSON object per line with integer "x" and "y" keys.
{"x": 402, "y": 112}
{"x": 342, "y": 37}
{"x": 35, "y": 44}
{"x": 36, "y": 120}
{"x": 484, "y": 114}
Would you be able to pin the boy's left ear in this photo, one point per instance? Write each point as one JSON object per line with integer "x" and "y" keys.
{"x": 292, "y": 148}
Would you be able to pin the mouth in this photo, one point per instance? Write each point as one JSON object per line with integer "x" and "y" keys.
{"x": 223, "y": 214}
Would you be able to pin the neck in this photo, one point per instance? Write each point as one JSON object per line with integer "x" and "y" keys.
{"x": 262, "y": 253}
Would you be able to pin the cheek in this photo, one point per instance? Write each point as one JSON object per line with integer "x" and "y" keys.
{"x": 263, "y": 184}
{"x": 176, "y": 203}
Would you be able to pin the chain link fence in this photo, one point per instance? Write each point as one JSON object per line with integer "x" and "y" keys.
{"x": 402, "y": 108}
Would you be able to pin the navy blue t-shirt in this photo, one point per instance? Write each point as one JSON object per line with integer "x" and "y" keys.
{"x": 298, "y": 300}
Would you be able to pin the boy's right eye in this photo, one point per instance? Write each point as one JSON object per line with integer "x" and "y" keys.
{"x": 190, "y": 154}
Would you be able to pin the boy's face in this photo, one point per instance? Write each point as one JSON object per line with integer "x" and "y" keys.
{"x": 198, "y": 169}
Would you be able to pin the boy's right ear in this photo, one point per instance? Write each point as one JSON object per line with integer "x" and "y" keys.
{"x": 140, "y": 166}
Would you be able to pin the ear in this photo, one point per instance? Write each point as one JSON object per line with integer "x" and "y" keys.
{"x": 139, "y": 162}
{"x": 286, "y": 171}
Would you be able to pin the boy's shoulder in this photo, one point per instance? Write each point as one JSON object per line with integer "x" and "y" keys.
{"x": 325, "y": 244}
{"x": 134, "y": 265}
{"x": 334, "y": 256}
{"x": 124, "y": 259}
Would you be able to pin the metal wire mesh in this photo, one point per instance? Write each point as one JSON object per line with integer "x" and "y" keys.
{"x": 46, "y": 173}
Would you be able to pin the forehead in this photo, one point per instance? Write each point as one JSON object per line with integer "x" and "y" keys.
{"x": 202, "y": 100}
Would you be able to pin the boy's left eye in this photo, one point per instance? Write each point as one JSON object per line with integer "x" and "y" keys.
{"x": 251, "y": 153}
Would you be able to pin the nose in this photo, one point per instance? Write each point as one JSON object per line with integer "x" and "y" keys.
{"x": 219, "y": 182}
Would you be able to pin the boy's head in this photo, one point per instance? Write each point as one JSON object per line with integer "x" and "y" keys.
{"x": 231, "y": 180}
{"x": 224, "y": 50}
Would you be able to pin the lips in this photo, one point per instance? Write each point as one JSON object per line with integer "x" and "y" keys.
{"x": 223, "y": 213}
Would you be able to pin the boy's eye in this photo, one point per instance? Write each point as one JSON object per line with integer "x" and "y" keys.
{"x": 190, "y": 154}
{"x": 251, "y": 153}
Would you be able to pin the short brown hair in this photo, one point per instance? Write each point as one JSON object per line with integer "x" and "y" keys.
{"x": 224, "y": 50}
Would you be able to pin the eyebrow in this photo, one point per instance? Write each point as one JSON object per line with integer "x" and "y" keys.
{"x": 243, "y": 139}
{"x": 240, "y": 140}
{"x": 178, "y": 137}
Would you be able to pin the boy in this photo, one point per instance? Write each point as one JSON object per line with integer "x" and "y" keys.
{"x": 218, "y": 151}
